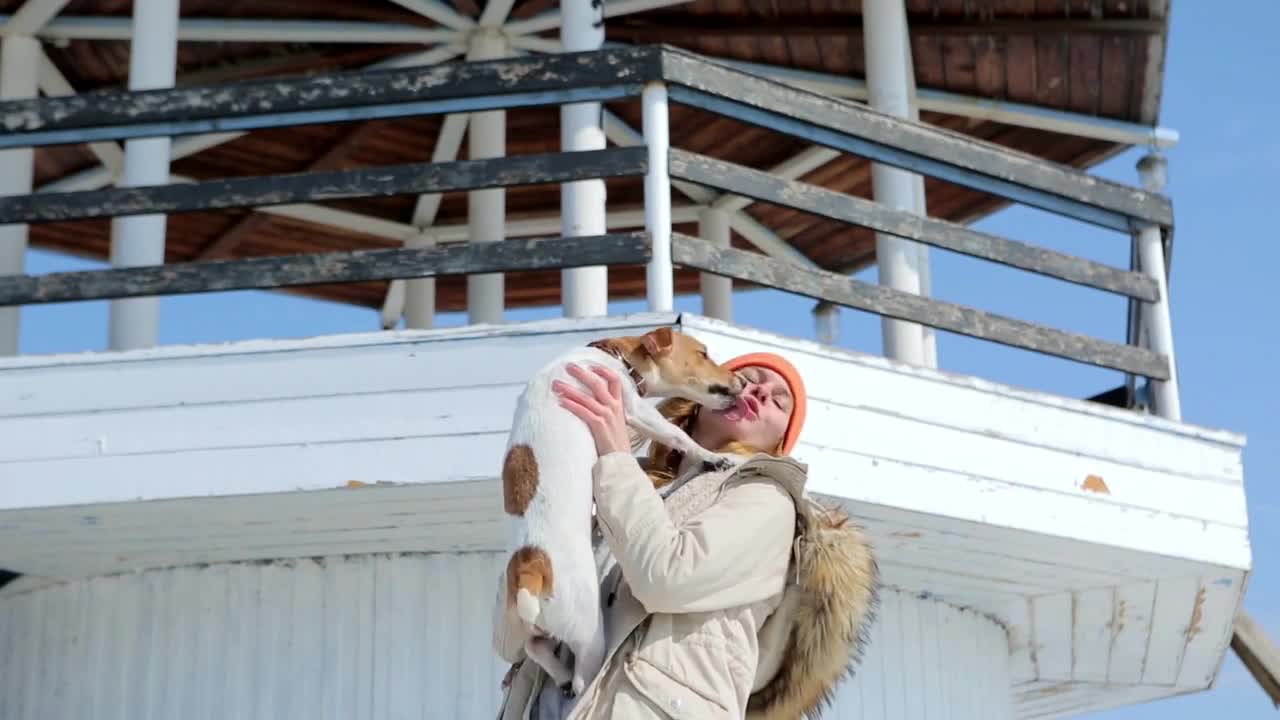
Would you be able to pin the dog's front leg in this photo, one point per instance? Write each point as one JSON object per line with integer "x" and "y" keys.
{"x": 646, "y": 419}
{"x": 542, "y": 650}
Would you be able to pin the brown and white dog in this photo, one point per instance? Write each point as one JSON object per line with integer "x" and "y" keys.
{"x": 552, "y": 588}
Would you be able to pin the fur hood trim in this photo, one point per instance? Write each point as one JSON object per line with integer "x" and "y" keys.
{"x": 829, "y": 603}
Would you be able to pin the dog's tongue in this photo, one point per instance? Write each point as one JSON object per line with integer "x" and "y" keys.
{"x": 737, "y": 412}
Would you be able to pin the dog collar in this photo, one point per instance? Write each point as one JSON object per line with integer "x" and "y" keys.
{"x": 631, "y": 370}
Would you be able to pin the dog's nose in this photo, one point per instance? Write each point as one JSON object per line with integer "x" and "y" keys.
{"x": 721, "y": 390}
{"x": 738, "y": 385}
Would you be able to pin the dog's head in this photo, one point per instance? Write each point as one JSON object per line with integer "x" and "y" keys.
{"x": 676, "y": 365}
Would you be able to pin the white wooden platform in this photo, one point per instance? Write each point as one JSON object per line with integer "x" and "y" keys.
{"x": 1111, "y": 547}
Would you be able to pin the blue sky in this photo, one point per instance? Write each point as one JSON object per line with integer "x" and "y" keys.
{"x": 1221, "y": 179}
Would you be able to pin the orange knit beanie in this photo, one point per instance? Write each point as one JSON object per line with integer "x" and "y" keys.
{"x": 780, "y": 365}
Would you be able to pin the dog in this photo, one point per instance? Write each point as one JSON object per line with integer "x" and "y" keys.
{"x": 552, "y": 588}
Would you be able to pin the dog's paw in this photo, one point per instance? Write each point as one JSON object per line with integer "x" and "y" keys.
{"x": 717, "y": 464}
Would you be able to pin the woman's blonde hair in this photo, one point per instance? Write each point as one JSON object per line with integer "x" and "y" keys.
{"x": 664, "y": 462}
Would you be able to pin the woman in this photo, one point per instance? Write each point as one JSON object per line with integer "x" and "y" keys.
{"x": 727, "y": 594}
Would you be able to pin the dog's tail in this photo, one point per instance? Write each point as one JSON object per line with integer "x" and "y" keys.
{"x": 529, "y": 581}
{"x": 527, "y": 606}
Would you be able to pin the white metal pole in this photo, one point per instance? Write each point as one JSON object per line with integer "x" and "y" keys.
{"x": 1155, "y": 316}
{"x": 826, "y": 322}
{"x": 19, "y": 59}
{"x": 139, "y": 239}
{"x": 657, "y": 197}
{"x": 920, "y": 202}
{"x": 582, "y": 204}
{"x": 486, "y": 209}
{"x": 717, "y": 291}
{"x": 884, "y": 32}
{"x": 420, "y": 293}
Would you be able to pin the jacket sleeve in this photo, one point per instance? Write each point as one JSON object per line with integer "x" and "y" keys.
{"x": 733, "y": 553}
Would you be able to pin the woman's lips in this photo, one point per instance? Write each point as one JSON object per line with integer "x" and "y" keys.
{"x": 747, "y": 408}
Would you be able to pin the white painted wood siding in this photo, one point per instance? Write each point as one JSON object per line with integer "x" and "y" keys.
{"x": 379, "y": 638}
{"x": 1112, "y": 546}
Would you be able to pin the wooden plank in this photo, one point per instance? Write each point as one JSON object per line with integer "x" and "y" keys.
{"x": 989, "y": 60}
{"x": 282, "y": 639}
{"x": 913, "y": 633}
{"x": 1084, "y": 73}
{"x": 972, "y": 404}
{"x": 1116, "y": 68}
{"x": 168, "y": 430}
{"x": 1210, "y": 630}
{"x": 1022, "y": 660}
{"x": 1051, "y": 628}
{"x": 319, "y": 268}
{"x": 279, "y": 371}
{"x": 1060, "y": 471}
{"x": 1258, "y": 654}
{"x": 1020, "y": 69}
{"x": 411, "y": 178}
{"x": 848, "y": 292}
{"x": 919, "y": 147}
{"x": 1134, "y": 605}
{"x": 1092, "y": 616}
{"x": 336, "y": 97}
{"x": 922, "y": 28}
{"x": 1171, "y": 616}
{"x": 759, "y": 185}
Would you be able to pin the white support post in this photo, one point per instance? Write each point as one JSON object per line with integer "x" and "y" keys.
{"x": 884, "y": 32}
{"x": 19, "y": 60}
{"x": 585, "y": 291}
{"x": 139, "y": 239}
{"x": 659, "y": 280}
{"x": 420, "y": 293}
{"x": 717, "y": 291}
{"x": 1155, "y": 316}
{"x": 826, "y": 322}
{"x": 486, "y": 209}
{"x": 920, "y": 202}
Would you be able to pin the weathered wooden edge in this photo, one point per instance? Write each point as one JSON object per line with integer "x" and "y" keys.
{"x": 266, "y": 273}
{"x": 888, "y": 155}
{"x": 933, "y": 147}
{"x": 1258, "y": 654}
{"x": 758, "y": 185}
{"x": 270, "y": 190}
{"x": 606, "y": 67}
{"x": 821, "y": 285}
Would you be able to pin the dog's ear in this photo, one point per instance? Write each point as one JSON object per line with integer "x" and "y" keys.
{"x": 658, "y": 342}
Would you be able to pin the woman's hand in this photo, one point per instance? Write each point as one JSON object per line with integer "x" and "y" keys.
{"x": 602, "y": 410}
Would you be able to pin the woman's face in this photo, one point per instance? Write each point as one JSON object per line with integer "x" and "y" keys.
{"x": 759, "y": 418}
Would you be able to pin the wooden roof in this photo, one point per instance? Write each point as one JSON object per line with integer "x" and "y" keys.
{"x": 1098, "y": 57}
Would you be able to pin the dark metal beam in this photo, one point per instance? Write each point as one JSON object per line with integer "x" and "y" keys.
{"x": 266, "y": 273}
{"x": 848, "y": 292}
{"x": 747, "y": 182}
{"x": 416, "y": 179}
